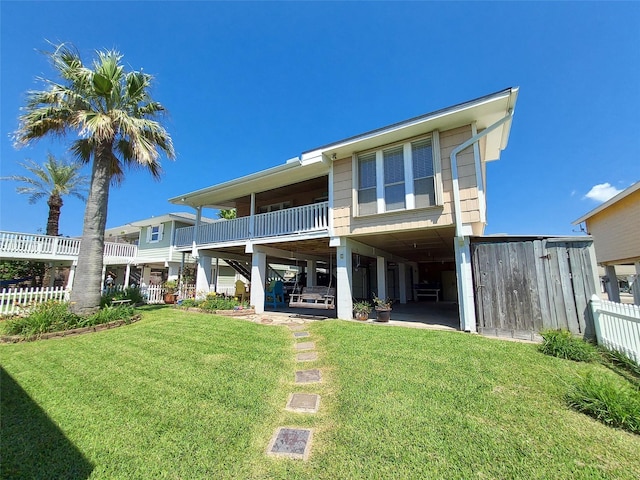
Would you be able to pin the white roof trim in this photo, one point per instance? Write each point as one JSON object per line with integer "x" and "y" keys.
{"x": 608, "y": 203}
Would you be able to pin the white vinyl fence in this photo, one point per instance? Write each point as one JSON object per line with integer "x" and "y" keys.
{"x": 617, "y": 326}
{"x": 16, "y": 300}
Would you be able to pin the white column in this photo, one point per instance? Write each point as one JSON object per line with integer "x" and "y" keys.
{"x": 252, "y": 216}
{"x": 381, "y": 271}
{"x": 402, "y": 284}
{"x": 174, "y": 270}
{"x": 258, "y": 280}
{"x": 635, "y": 288}
{"x": 217, "y": 274}
{"x": 104, "y": 271}
{"x": 612, "y": 283}
{"x": 72, "y": 274}
{"x": 145, "y": 275}
{"x": 203, "y": 276}
{"x": 344, "y": 299}
{"x": 466, "y": 301}
{"x": 311, "y": 273}
{"x": 127, "y": 274}
{"x": 196, "y": 227}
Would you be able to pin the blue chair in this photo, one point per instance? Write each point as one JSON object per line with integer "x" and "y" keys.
{"x": 274, "y": 296}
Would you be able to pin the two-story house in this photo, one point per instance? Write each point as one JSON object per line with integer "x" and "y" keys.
{"x": 383, "y": 211}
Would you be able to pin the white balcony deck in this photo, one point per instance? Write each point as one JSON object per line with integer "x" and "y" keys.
{"x": 298, "y": 220}
{"x": 27, "y": 246}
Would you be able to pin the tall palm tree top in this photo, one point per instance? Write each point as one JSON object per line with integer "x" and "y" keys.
{"x": 110, "y": 110}
{"x": 52, "y": 178}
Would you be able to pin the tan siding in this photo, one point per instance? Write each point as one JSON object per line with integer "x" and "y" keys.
{"x": 345, "y": 224}
{"x": 616, "y": 230}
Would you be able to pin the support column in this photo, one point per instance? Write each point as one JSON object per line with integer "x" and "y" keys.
{"x": 312, "y": 276}
{"x": 402, "y": 283}
{"x": 635, "y": 287}
{"x": 258, "y": 280}
{"x": 72, "y": 274}
{"x": 203, "y": 276}
{"x": 104, "y": 271}
{"x": 127, "y": 275}
{"x": 174, "y": 271}
{"x": 381, "y": 271}
{"x": 217, "y": 275}
{"x": 344, "y": 282}
{"x": 612, "y": 283}
{"x": 466, "y": 301}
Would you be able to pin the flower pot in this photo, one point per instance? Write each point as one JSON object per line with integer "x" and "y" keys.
{"x": 170, "y": 298}
{"x": 362, "y": 316}
{"x": 383, "y": 314}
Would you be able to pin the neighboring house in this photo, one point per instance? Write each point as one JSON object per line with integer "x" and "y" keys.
{"x": 615, "y": 228}
{"x": 385, "y": 211}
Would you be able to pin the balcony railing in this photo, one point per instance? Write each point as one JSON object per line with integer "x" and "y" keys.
{"x": 26, "y": 245}
{"x": 307, "y": 218}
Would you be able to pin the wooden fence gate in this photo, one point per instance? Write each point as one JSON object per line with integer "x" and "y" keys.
{"x": 523, "y": 287}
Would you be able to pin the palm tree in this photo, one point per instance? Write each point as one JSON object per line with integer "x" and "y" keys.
{"x": 53, "y": 180}
{"x": 112, "y": 116}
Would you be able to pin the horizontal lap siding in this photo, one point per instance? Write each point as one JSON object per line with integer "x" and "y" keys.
{"x": 616, "y": 230}
{"x": 343, "y": 196}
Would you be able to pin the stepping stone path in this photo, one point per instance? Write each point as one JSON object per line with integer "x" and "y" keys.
{"x": 292, "y": 442}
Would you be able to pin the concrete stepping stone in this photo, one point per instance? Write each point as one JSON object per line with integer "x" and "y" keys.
{"x": 301, "y": 334}
{"x": 303, "y": 402}
{"x": 307, "y": 356}
{"x": 308, "y": 376}
{"x": 305, "y": 345}
{"x": 291, "y": 443}
{"x": 296, "y": 327}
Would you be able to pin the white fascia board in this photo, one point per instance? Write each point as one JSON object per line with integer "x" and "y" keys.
{"x": 485, "y": 111}
{"x": 608, "y": 203}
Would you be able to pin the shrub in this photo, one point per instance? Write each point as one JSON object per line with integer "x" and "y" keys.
{"x": 563, "y": 344}
{"x": 50, "y": 316}
{"x": 218, "y": 302}
{"x": 616, "y": 404}
{"x": 54, "y": 316}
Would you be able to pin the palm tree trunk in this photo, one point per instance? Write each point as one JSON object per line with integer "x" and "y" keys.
{"x": 87, "y": 289}
{"x": 55, "y": 204}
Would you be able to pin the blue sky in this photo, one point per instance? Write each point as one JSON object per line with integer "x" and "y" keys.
{"x": 251, "y": 84}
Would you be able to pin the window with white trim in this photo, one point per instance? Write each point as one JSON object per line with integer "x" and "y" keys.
{"x": 424, "y": 190}
{"x": 154, "y": 233}
{"x": 400, "y": 177}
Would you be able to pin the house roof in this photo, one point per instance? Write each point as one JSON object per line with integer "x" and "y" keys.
{"x": 314, "y": 163}
{"x": 608, "y": 203}
{"x": 134, "y": 227}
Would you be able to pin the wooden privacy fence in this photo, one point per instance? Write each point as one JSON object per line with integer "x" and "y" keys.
{"x": 16, "y": 300}
{"x": 523, "y": 287}
{"x": 617, "y": 326}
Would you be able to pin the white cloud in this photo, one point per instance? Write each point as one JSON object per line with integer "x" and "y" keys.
{"x": 602, "y": 192}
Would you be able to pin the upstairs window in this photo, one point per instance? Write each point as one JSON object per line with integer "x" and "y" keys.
{"x": 367, "y": 184}
{"x": 423, "y": 176}
{"x": 394, "y": 195}
{"x": 402, "y": 177}
{"x": 154, "y": 233}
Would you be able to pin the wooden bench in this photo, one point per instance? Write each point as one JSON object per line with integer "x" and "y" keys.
{"x": 314, "y": 297}
{"x": 419, "y": 291}
{"x": 120, "y": 302}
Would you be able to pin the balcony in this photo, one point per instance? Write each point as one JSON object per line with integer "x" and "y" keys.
{"x": 292, "y": 221}
{"x": 43, "y": 247}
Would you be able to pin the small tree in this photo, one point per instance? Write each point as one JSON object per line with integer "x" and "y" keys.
{"x": 53, "y": 179}
{"x": 227, "y": 214}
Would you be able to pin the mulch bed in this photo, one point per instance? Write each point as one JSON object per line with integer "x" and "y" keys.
{"x": 69, "y": 333}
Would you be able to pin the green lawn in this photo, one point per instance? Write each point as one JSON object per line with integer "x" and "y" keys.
{"x": 185, "y": 395}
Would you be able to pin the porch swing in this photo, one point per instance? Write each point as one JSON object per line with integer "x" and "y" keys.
{"x": 315, "y": 297}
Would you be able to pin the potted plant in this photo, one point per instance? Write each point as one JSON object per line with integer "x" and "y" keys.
{"x": 361, "y": 310}
{"x": 170, "y": 291}
{"x": 383, "y": 308}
